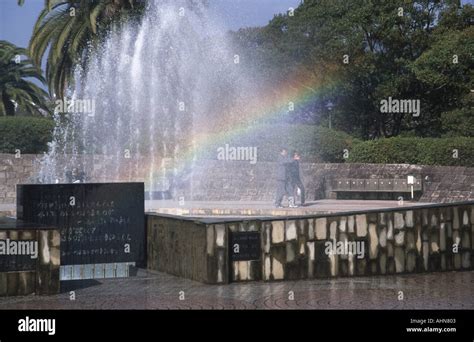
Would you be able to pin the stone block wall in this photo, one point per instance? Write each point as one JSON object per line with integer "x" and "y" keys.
{"x": 431, "y": 238}
{"x": 242, "y": 181}
{"x": 187, "y": 248}
{"x": 26, "y": 170}
{"x": 217, "y": 254}
{"x": 405, "y": 241}
{"x": 12, "y": 172}
{"x": 44, "y": 278}
{"x": 214, "y": 180}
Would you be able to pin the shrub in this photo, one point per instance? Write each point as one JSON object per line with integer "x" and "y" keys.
{"x": 316, "y": 144}
{"x": 422, "y": 151}
{"x": 26, "y": 133}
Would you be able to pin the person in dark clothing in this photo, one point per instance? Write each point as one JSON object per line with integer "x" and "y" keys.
{"x": 294, "y": 178}
{"x": 75, "y": 176}
{"x": 282, "y": 176}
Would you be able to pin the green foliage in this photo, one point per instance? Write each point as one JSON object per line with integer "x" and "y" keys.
{"x": 421, "y": 151}
{"x": 313, "y": 142}
{"x": 17, "y": 93}
{"x": 27, "y": 134}
{"x": 459, "y": 122}
{"x": 437, "y": 66}
{"x": 446, "y": 73}
{"x": 330, "y": 144}
{"x": 402, "y": 55}
{"x": 69, "y": 28}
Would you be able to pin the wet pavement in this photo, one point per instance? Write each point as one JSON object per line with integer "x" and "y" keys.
{"x": 255, "y": 208}
{"x": 153, "y": 290}
{"x": 260, "y": 208}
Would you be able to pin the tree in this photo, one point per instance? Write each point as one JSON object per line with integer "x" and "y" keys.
{"x": 17, "y": 93}
{"x": 446, "y": 73}
{"x": 387, "y": 45}
{"x": 69, "y": 28}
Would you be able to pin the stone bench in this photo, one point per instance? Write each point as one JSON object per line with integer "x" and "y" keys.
{"x": 347, "y": 187}
{"x": 29, "y": 258}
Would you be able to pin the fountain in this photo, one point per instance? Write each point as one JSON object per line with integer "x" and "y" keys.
{"x": 150, "y": 91}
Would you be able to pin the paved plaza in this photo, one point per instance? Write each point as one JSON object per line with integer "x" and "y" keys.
{"x": 254, "y": 208}
{"x": 260, "y": 208}
{"x": 449, "y": 290}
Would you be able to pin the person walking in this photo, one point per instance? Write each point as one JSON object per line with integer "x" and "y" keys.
{"x": 282, "y": 176}
{"x": 295, "y": 179}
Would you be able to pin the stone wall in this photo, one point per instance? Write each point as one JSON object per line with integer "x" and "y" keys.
{"x": 187, "y": 248}
{"x": 12, "y": 172}
{"x": 214, "y": 180}
{"x": 43, "y": 279}
{"x": 408, "y": 241}
{"x": 241, "y": 181}
{"x": 432, "y": 238}
{"x": 26, "y": 169}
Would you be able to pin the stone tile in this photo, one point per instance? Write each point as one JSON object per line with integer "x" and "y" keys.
{"x": 442, "y": 237}
{"x": 333, "y": 231}
{"x": 390, "y": 230}
{"x": 210, "y": 239}
{"x": 343, "y": 224}
{"x": 409, "y": 221}
{"x": 311, "y": 229}
{"x": 290, "y": 230}
{"x": 399, "y": 260}
{"x": 400, "y": 238}
{"x": 373, "y": 241}
{"x": 361, "y": 225}
{"x": 290, "y": 252}
{"x": 456, "y": 224}
{"x": 220, "y": 234}
{"x": 277, "y": 269}
{"x": 350, "y": 224}
{"x": 278, "y": 231}
{"x": 398, "y": 221}
{"x": 321, "y": 228}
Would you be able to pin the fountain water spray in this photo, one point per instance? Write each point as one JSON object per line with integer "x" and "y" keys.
{"x": 154, "y": 85}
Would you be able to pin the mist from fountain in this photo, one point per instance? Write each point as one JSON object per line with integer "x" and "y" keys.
{"x": 154, "y": 86}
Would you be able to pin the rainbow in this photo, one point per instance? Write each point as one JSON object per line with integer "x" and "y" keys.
{"x": 273, "y": 104}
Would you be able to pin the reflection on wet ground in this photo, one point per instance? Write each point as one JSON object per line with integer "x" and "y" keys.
{"x": 450, "y": 290}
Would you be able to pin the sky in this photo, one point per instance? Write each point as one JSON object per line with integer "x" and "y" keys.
{"x": 16, "y": 23}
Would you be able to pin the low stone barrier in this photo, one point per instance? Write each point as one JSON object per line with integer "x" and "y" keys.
{"x": 425, "y": 238}
{"x": 215, "y": 180}
{"x": 187, "y": 248}
{"x": 29, "y": 258}
{"x": 408, "y": 241}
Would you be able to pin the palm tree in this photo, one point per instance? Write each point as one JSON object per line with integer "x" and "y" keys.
{"x": 17, "y": 93}
{"x": 69, "y": 28}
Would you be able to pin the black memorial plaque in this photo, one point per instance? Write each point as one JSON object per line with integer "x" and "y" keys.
{"x": 245, "y": 246}
{"x": 99, "y": 222}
